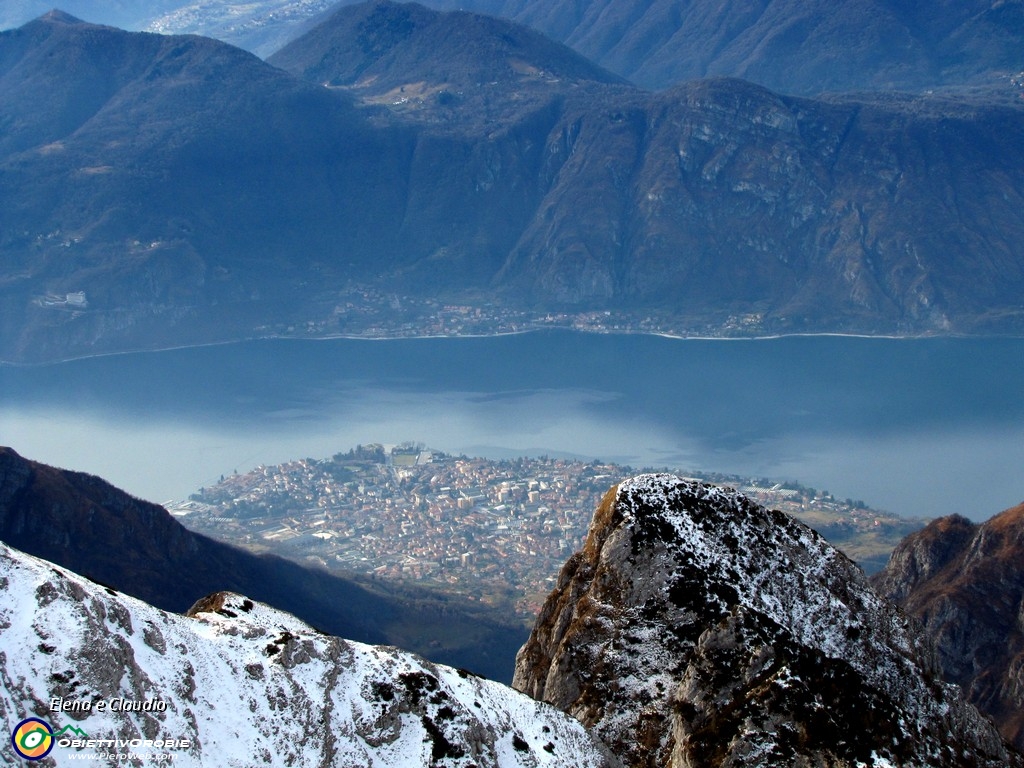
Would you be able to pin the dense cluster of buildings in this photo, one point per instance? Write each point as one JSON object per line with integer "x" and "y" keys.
{"x": 498, "y": 531}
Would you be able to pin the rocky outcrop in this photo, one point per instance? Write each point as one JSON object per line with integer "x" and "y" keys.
{"x": 696, "y": 628}
{"x": 964, "y": 582}
{"x": 238, "y": 683}
{"x": 922, "y": 555}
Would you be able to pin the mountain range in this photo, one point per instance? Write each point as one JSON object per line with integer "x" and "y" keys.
{"x": 792, "y": 46}
{"x": 866, "y": 175}
{"x": 694, "y": 628}
{"x": 180, "y": 190}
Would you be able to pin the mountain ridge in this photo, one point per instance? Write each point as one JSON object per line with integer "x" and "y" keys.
{"x": 236, "y": 681}
{"x": 426, "y": 63}
{"x": 795, "y": 47}
{"x": 393, "y": 30}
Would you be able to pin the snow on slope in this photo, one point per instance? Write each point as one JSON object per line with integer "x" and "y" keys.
{"x": 240, "y": 683}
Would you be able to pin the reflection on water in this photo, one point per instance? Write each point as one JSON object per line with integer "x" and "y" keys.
{"x": 917, "y": 427}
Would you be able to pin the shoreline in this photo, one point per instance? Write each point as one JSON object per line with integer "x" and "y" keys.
{"x": 500, "y": 334}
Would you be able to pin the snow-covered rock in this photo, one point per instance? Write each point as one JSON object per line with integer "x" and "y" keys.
{"x": 697, "y": 628}
{"x": 237, "y": 683}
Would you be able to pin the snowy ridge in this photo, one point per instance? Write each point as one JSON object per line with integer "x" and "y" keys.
{"x": 236, "y": 683}
{"x": 698, "y": 628}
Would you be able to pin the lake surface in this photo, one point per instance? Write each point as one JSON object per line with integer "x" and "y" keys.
{"x": 917, "y": 427}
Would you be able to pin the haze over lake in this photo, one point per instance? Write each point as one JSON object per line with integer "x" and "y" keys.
{"x": 917, "y": 427}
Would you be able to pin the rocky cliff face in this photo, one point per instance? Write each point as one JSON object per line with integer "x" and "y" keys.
{"x": 696, "y": 628}
{"x": 964, "y": 582}
{"x": 718, "y": 194}
{"x": 237, "y": 683}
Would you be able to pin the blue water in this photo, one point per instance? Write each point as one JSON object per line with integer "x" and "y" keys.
{"x": 917, "y": 427}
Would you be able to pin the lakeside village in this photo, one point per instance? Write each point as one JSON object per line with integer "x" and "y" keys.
{"x": 364, "y": 311}
{"x": 497, "y": 531}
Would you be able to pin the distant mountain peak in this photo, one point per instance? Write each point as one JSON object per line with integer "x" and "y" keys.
{"x": 407, "y": 56}
{"x": 57, "y": 16}
{"x": 696, "y": 627}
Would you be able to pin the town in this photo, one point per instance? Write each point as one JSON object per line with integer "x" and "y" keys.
{"x": 365, "y": 311}
{"x": 497, "y": 531}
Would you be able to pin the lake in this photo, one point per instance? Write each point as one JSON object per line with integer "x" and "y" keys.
{"x": 912, "y": 426}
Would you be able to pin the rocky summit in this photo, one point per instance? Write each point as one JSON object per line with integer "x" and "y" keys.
{"x": 697, "y": 628}
{"x": 237, "y": 683}
{"x": 964, "y": 582}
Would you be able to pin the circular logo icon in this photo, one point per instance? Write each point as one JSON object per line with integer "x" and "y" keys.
{"x": 32, "y": 738}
